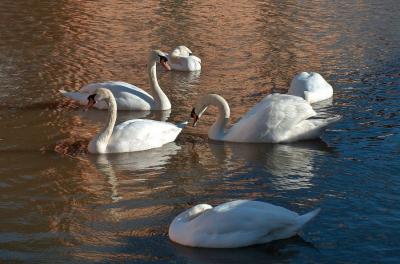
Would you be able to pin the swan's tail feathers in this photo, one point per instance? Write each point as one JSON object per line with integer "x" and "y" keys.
{"x": 305, "y": 218}
{"x": 323, "y": 123}
{"x": 197, "y": 59}
{"x": 182, "y": 124}
{"x": 334, "y": 119}
{"x": 80, "y": 97}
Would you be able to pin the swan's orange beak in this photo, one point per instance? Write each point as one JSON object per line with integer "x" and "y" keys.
{"x": 91, "y": 102}
{"x": 164, "y": 63}
{"x": 194, "y": 116}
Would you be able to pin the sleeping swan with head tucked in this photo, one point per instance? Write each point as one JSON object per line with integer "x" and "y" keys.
{"x": 311, "y": 86}
{"x": 235, "y": 224}
{"x": 182, "y": 59}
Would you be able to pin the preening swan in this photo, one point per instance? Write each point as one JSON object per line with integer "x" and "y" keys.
{"x": 310, "y": 86}
{"x": 278, "y": 118}
{"x": 131, "y": 135}
{"x": 182, "y": 59}
{"x": 235, "y": 224}
{"x": 128, "y": 96}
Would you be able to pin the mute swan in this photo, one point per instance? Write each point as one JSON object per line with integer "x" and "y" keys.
{"x": 182, "y": 59}
{"x": 128, "y": 96}
{"x": 278, "y": 118}
{"x": 310, "y": 86}
{"x": 235, "y": 224}
{"x": 131, "y": 135}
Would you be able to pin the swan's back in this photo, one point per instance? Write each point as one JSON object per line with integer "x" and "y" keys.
{"x": 271, "y": 120}
{"x": 181, "y": 51}
{"x": 127, "y": 96}
{"x": 181, "y": 59}
{"x": 310, "y": 86}
{"x": 141, "y": 134}
{"x": 237, "y": 224}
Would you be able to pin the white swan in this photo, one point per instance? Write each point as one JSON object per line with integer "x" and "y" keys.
{"x": 234, "y": 224}
{"x": 310, "y": 86}
{"x": 182, "y": 59}
{"x": 131, "y": 135}
{"x": 277, "y": 118}
{"x": 128, "y": 96}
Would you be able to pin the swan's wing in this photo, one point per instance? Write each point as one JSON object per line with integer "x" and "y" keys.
{"x": 128, "y": 96}
{"x": 240, "y": 223}
{"x": 181, "y": 51}
{"x": 270, "y": 119}
{"x": 115, "y": 87}
{"x": 139, "y": 134}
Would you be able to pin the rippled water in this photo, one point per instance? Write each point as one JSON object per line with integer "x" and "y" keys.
{"x": 59, "y": 204}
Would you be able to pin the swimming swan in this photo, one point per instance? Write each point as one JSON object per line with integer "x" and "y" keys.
{"x": 131, "y": 135}
{"x": 235, "y": 224}
{"x": 310, "y": 86}
{"x": 278, "y": 118}
{"x": 182, "y": 59}
{"x": 128, "y": 96}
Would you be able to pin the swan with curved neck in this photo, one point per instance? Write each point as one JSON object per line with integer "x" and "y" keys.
{"x": 311, "y": 86}
{"x": 131, "y": 135}
{"x": 182, "y": 59}
{"x": 278, "y": 118}
{"x": 128, "y": 96}
{"x": 235, "y": 224}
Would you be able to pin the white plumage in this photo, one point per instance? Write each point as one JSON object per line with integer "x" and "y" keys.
{"x": 128, "y": 96}
{"x": 234, "y": 224}
{"x": 310, "y": 86}
{"x": 278, "y": 118}
{"x": 182, "y": 59}
{"x": 141, "y": 134}
{"x": 131, "y": 135}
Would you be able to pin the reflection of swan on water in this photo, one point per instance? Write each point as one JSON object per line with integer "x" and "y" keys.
{"x": 142, "y": 160}
{"x": 109, "y": 165}
{"x": 184, "y": 81}
{"x": 274, "y": 252}
{"x": 291, "y": 165}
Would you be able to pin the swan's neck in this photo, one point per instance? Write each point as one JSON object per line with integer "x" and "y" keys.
{"x": 160, "y": 99}
{"x": 217, "y": 130}
{"x": 105, "y": 134}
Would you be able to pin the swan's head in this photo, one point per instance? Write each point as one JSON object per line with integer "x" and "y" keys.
{"x": 99, "y": 95}
{"x": 161, "y": 57}
{"x": 197, "y": 112}
{"x": 209, "y": 99}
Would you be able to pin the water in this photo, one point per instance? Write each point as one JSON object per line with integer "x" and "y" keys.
{"x": 60, "y": 205}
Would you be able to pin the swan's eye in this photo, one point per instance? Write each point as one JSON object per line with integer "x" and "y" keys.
{"x": 91, "y": 98}
{"x": 163, "y": 58}
{"x": 190, "y": 54}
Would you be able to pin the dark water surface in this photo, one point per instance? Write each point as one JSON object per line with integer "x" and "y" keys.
{"x": 61, "y": 205}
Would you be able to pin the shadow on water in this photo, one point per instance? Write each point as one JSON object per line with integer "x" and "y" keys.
{"x": 280, "y": 251}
